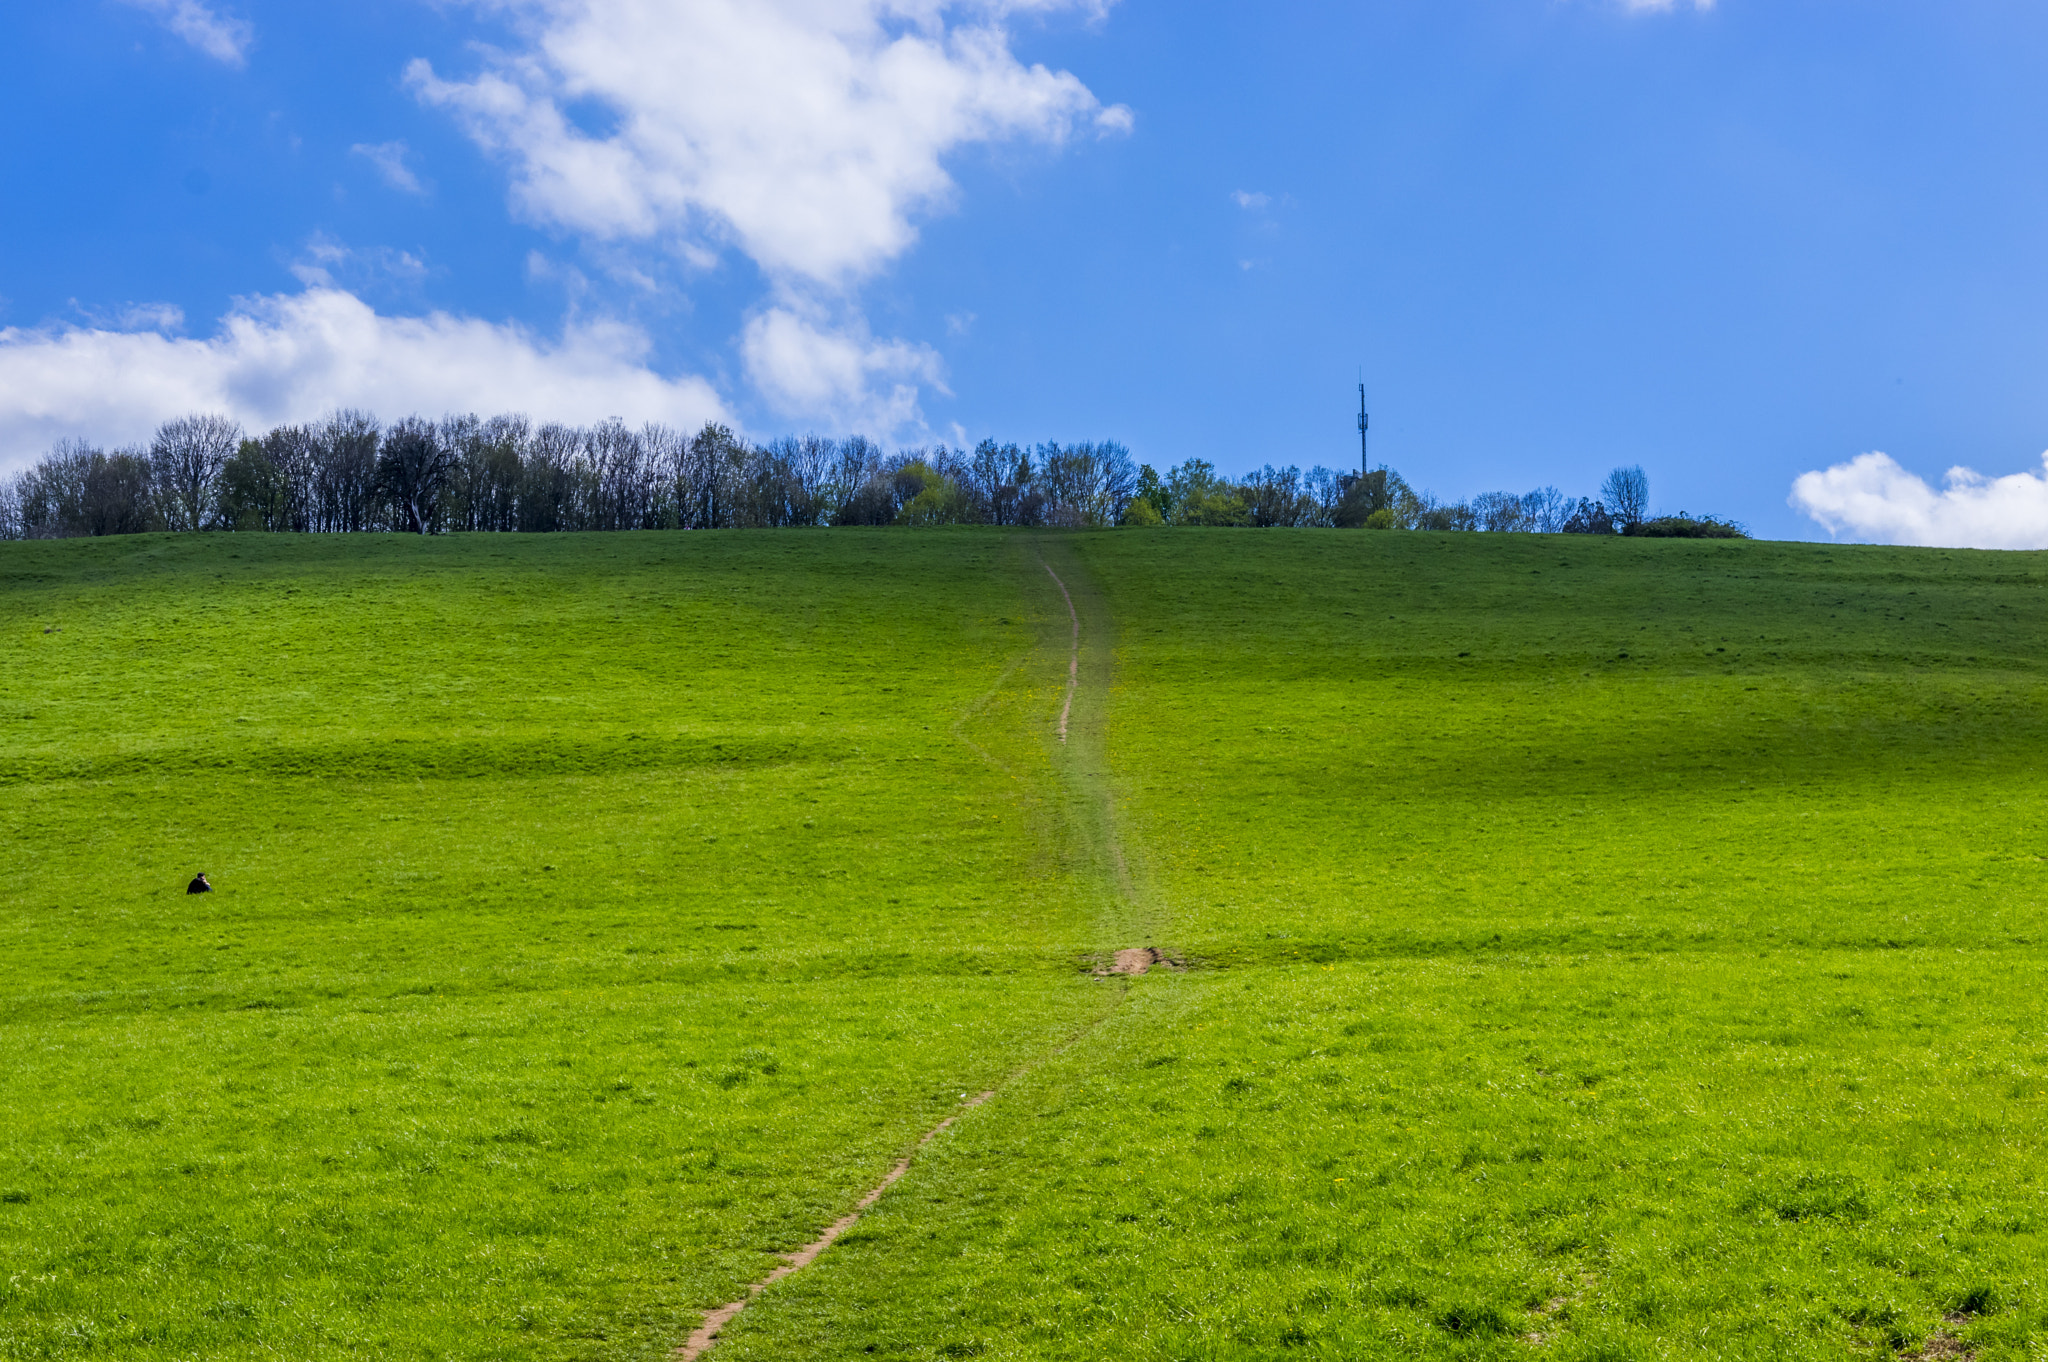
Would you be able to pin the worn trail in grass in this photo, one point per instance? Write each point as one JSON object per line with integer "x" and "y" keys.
{"x": 598, "y": 918}
{"x": 1604, "y": 950}
{"x": 1599, "y": 949}
{"x": 1089, "y": 848}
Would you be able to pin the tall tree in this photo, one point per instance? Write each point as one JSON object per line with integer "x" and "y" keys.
{"x": 253, "y": 493}
{"x": 412, "y": 469}
{"x": 344, "y": 452}
{"x": 1626, "y": 494}
{"x": 186, "y": 459}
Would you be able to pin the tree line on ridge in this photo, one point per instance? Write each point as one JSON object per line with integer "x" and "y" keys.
{"x": 348, "y": 473}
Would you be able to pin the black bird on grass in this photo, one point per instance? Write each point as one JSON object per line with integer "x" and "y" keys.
{"x": 199, "y": 885}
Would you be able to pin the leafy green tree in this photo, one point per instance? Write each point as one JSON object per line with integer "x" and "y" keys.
{"x": 1142, "y": 514}
{"x": 933, "y": 498}
{"x": 1364, "y": 494}
{"x": 1152, "y": 491}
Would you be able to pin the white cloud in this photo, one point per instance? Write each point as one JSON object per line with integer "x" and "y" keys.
{"x": 389, "y": 159}
{"x": 810, "y": 135}
{"x": 1872, "y": 497}
{"x": 807, "y": 366}
{"x": 291, "y": 357}
{"x": 1650, "y": 6}
{"x": 219, "y": 36}
{"x": 166, "y": 317}
{"x": 331, "y": 264}
{"x": 1251, "y": 201}
{"x": 806, "y": 132}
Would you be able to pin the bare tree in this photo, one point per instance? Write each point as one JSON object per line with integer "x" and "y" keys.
{"x": 186, "y": 459}
{"x": 1546, "y": 510}
{"x": 344, "y": 451}
{"x": 1086, "y": 484}
{"x": 412, "y": 469}
{"x": 1275, "y": 497}
{"x": 714, "y": 478}
{"x": 496, "y": 472}
{"x": 1626, "y": 494}
{"x": 1324, "y": 487}
{"x": 1499, "y": 512}
{"x": 999, "y": 478}
{"x": 10, "y": 508}
{"x": 547, "y": 496}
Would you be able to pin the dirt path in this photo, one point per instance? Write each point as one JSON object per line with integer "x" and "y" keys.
{"x": 707, "y": 1333}
{"x": 1073, "y": 656}
{"x": 1093, "y": 855}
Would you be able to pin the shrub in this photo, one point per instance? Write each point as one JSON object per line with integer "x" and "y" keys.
{"x": 1683, "y": 526}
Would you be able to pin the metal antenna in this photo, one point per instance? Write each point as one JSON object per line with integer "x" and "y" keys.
{"x": 1364, "y": 464}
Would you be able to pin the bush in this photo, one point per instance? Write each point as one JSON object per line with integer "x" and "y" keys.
{"x": 1141, "y": 514}
{"x": 1682, "y": 526}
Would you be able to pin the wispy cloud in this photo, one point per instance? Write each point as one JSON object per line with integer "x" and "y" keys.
{"x": 332, "y": 264}
{"x": 164, "y": 317}
{"x": 1872, "y": 497}
{"x": 1249, "y": 200}
{"x": 220, "y": 36}
{"x": 389, "y": 159}
{"x": 1656, "y": 6}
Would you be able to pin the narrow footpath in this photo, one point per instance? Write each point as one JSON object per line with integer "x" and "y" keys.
{"x": 1078, "y": 641}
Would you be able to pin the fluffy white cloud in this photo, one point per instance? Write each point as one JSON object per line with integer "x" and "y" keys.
{"x": 805, "y": 366}
{"x": 292, "y": 357}
{"x": 217, "y": 35}
{"x": 806, "y": 132}
{"x": 1871, "y": 497}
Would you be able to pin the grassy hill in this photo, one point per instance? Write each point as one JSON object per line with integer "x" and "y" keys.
{"x": 1607, "y": 948}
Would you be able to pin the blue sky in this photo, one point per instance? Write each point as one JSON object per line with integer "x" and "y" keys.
{"x": 1736, "y": 244}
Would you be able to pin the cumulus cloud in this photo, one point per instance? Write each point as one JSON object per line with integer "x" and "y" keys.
{"x": 389, "y": 159}
{"x": 219, "y": 36}
{"x": 291, "y": 357}
{"x": 1872, "y": 497}
{"x": 808, "y": 133}
{"x": 806, "y": 366}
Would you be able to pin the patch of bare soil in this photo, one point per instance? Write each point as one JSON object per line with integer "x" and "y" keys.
{"x": 1942, "y": 1343}
{"x": 1137, "y": 960}
{"x": 698, "y": 1343}
{"x": 1543, "y": 1314}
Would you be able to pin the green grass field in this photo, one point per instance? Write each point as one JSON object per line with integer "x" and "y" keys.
{"x": 1594, "y": 949}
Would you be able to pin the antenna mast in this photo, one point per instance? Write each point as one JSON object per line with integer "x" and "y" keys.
{"x": 1364, "y": 464}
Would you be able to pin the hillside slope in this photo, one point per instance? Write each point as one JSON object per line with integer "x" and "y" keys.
{"x": 1618, "y": 948}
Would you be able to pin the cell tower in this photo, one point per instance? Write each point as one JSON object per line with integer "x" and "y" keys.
{"x": 1364, "y": 464}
